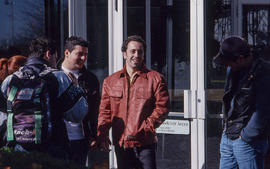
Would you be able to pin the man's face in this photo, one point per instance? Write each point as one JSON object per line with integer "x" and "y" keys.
{"x": 239, "y": 64}
{"x": 134, "y": 55}
{"x": 77, "y": 57}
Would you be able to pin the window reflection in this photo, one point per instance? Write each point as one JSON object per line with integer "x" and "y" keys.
{"x": 97, "y": 61}
{"x": 97, "y": 35}
{"x": 23, "y": 20}
{"x": 170, "y": 29}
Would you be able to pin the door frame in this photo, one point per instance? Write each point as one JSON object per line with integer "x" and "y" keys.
{"x": 197, "y": 85}
{"x": 196, "y": 98}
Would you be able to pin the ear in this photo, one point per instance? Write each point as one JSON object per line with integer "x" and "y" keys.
{"x": 66, "y": 52}
{"x": 47, "y": 55}
{"x": 125, "y": 55}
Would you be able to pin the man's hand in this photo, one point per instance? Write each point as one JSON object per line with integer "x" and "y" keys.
{"x": 93, "y": 144}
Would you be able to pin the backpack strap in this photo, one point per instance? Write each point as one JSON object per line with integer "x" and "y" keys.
{"x": 38, "y": 116}
{"x": 11, "y": 96}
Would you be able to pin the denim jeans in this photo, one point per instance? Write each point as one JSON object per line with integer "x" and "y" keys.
{"x": 136, "y": 158}
{"x": 239, "y": 154}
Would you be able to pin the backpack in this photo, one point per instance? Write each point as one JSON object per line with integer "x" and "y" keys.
{"x": 27, "y": 109}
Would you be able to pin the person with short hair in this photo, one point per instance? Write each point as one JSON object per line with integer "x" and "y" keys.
{"x": 246, "y": 108}
{"x": 134, "y": 102}
{"x": 61, "y": 102}
{"x": 81, "y": 134}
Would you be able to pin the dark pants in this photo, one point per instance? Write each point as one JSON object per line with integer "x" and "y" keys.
{"x": 78, "y": 150}
{"x": 137, "y": 157}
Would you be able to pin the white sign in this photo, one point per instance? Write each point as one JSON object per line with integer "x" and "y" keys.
{"x": 174, "y": 127}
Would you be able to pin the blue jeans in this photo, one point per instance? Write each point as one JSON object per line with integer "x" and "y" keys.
{"x": 136, "y": 158}
{"x": 237, "y": 153}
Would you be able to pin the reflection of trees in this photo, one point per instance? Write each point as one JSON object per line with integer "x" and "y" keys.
{"x": 256, "y": 27}
{"x": 33, "y": 15}
{"x": 219, "y": 26}
{"x": 222, "y": 19}
{"x": 30, "y": 25}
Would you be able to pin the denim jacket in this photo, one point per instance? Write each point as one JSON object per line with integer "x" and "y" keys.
{"x": 246, "y": 102}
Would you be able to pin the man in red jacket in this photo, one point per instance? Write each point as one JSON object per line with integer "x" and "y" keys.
{"x": 134, "y": 102}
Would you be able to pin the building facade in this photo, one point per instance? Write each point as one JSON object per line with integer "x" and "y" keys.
{"x": 182, "y": 37}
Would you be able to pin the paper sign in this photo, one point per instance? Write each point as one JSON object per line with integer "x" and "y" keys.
{"x": 174, "y": 127}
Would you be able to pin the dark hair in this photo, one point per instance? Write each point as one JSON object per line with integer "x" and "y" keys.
{"x": 72, "y": 41}
{"x": 39, "y": 46}
{"x": 136, "y": 38}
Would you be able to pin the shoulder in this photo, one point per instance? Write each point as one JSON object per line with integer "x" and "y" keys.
{"x": 114, "y": 76}
{"x": 62, "y": 78}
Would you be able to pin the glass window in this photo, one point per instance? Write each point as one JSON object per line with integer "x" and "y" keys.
{"x": 169, "y": 42}
{"x": 97, "y": 35}
{"x": 218, "y": 26}
{"x": 97, "y": 62}
{"x": 249, "y": 20}
{"x": 23, "y": 20}
{"x": 170, "y": 37}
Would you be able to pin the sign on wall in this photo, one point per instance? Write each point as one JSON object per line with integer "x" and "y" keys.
{"x": 174, "y": 127}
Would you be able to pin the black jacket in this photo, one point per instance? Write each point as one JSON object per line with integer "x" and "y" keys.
{"x": 90, "y": 84}
{"x": 246, "y": 102}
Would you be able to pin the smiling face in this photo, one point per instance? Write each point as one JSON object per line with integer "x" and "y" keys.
{"x": 75, "y": 59}
{"x": 134, "y": 55}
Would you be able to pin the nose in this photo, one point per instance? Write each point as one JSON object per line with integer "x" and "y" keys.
{"x": 136, "y": 54}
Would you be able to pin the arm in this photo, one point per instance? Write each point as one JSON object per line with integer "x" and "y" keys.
{"x": 70, "y": 100}
{"x": 104, "y": 120}
{"x": 161, "y": 109}
{"x": 260, "y": 118}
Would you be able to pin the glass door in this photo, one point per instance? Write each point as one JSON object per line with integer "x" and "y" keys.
{"x": 165, "y": 25}
{"x": 249, "y": 19}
